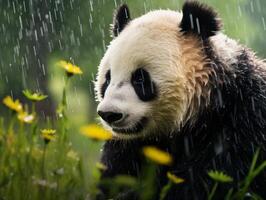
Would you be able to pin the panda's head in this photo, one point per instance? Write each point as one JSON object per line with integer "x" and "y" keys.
{"x": 154, "y": 73}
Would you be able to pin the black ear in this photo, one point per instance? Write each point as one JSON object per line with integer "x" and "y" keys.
{"x": 199, "y": 19}
{"x": 120, "y": 20}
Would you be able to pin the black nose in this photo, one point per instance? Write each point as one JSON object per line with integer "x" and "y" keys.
{"x": 110, "y": 117}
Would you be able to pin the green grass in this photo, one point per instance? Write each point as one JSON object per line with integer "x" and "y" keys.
{"x": 33, "y": 167}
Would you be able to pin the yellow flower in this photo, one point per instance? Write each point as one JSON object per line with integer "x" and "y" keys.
{"x": 48, "y": 135}
{"x": 25, "y": 117}
{"x": 13, "y": 105}
{"x": 157, "y": 155}
{"x": 95, "y": 132}
{"x": 174, "y": 178}
{"x": 34, "y": 96}
{"x": 69, "y": 67}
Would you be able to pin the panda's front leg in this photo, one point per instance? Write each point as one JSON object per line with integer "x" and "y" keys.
{"x": 120, "y": 158}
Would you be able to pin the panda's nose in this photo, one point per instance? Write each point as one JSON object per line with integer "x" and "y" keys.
{"x": 110, "y": 117}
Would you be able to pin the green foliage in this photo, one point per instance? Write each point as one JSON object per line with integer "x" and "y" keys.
{"x": 220, "y": 176}
{"x": 253, "y": 172}
{"x": 34, "y": 96}
{"x": 243, "y": 190}
{"x": 42, "y": 166}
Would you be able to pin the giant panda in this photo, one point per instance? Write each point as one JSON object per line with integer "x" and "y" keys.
{"x": 173, "y": 80}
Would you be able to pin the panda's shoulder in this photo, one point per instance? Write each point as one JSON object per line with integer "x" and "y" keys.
{"x": 231, "y": 52}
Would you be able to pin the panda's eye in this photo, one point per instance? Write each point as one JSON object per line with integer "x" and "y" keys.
{"x": 108, "y": 77}
{"x": 106, "y": 83}
{"x": 138, "y": 76}
{"x": 143, "y": 85}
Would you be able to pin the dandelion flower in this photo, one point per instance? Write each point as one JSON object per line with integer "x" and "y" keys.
{"x": 25, "y": 117}
{"x": 69, "y": 67}
{"x": 48, "y": 135}
{"x": 174, "y": 178}
{"x": 96, "y": 132}
{"x": 157, "y": 155}
{"x": 13, "y": 105}
{"x": 34, "y": 96}
{"x": 220, "y": 176}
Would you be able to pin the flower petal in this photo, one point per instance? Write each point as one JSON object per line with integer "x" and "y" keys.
{"x": 95, "y": 132}
{"x": 157, "y": 155}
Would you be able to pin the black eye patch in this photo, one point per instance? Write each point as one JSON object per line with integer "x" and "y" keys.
{"x": 106, "y": 83}
{"x": 143, "y": 85}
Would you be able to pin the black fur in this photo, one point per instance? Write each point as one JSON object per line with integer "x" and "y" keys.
{"x": 143, "y": 85}
{"x": 121, "y": 19}
{"x": 225, "y": 136}
{"x": 199, "y": 19}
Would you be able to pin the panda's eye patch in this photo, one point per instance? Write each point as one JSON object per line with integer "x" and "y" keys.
{"x": 108, "y": 77}
{"x": 138, "y": 77}
{"x": 143, "y": 85}
{"x": 106, "y": 83}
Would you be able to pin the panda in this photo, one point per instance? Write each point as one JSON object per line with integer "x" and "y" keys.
{"x": 173, "y": 80}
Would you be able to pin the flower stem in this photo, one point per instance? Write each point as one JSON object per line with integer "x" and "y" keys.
{"x": 43, "y": 160}
{"x": 63, "y": 110}
{"x": 165, "y": 190}
{"x": 64, "y": 99}
{"x": 210, "y": 197}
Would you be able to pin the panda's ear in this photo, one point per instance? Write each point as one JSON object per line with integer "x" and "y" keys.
{"x": 120, "y": 20}
{"x": 199, "y": 19}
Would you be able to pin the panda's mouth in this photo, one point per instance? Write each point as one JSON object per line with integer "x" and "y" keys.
{"x": 138, "y": 127}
